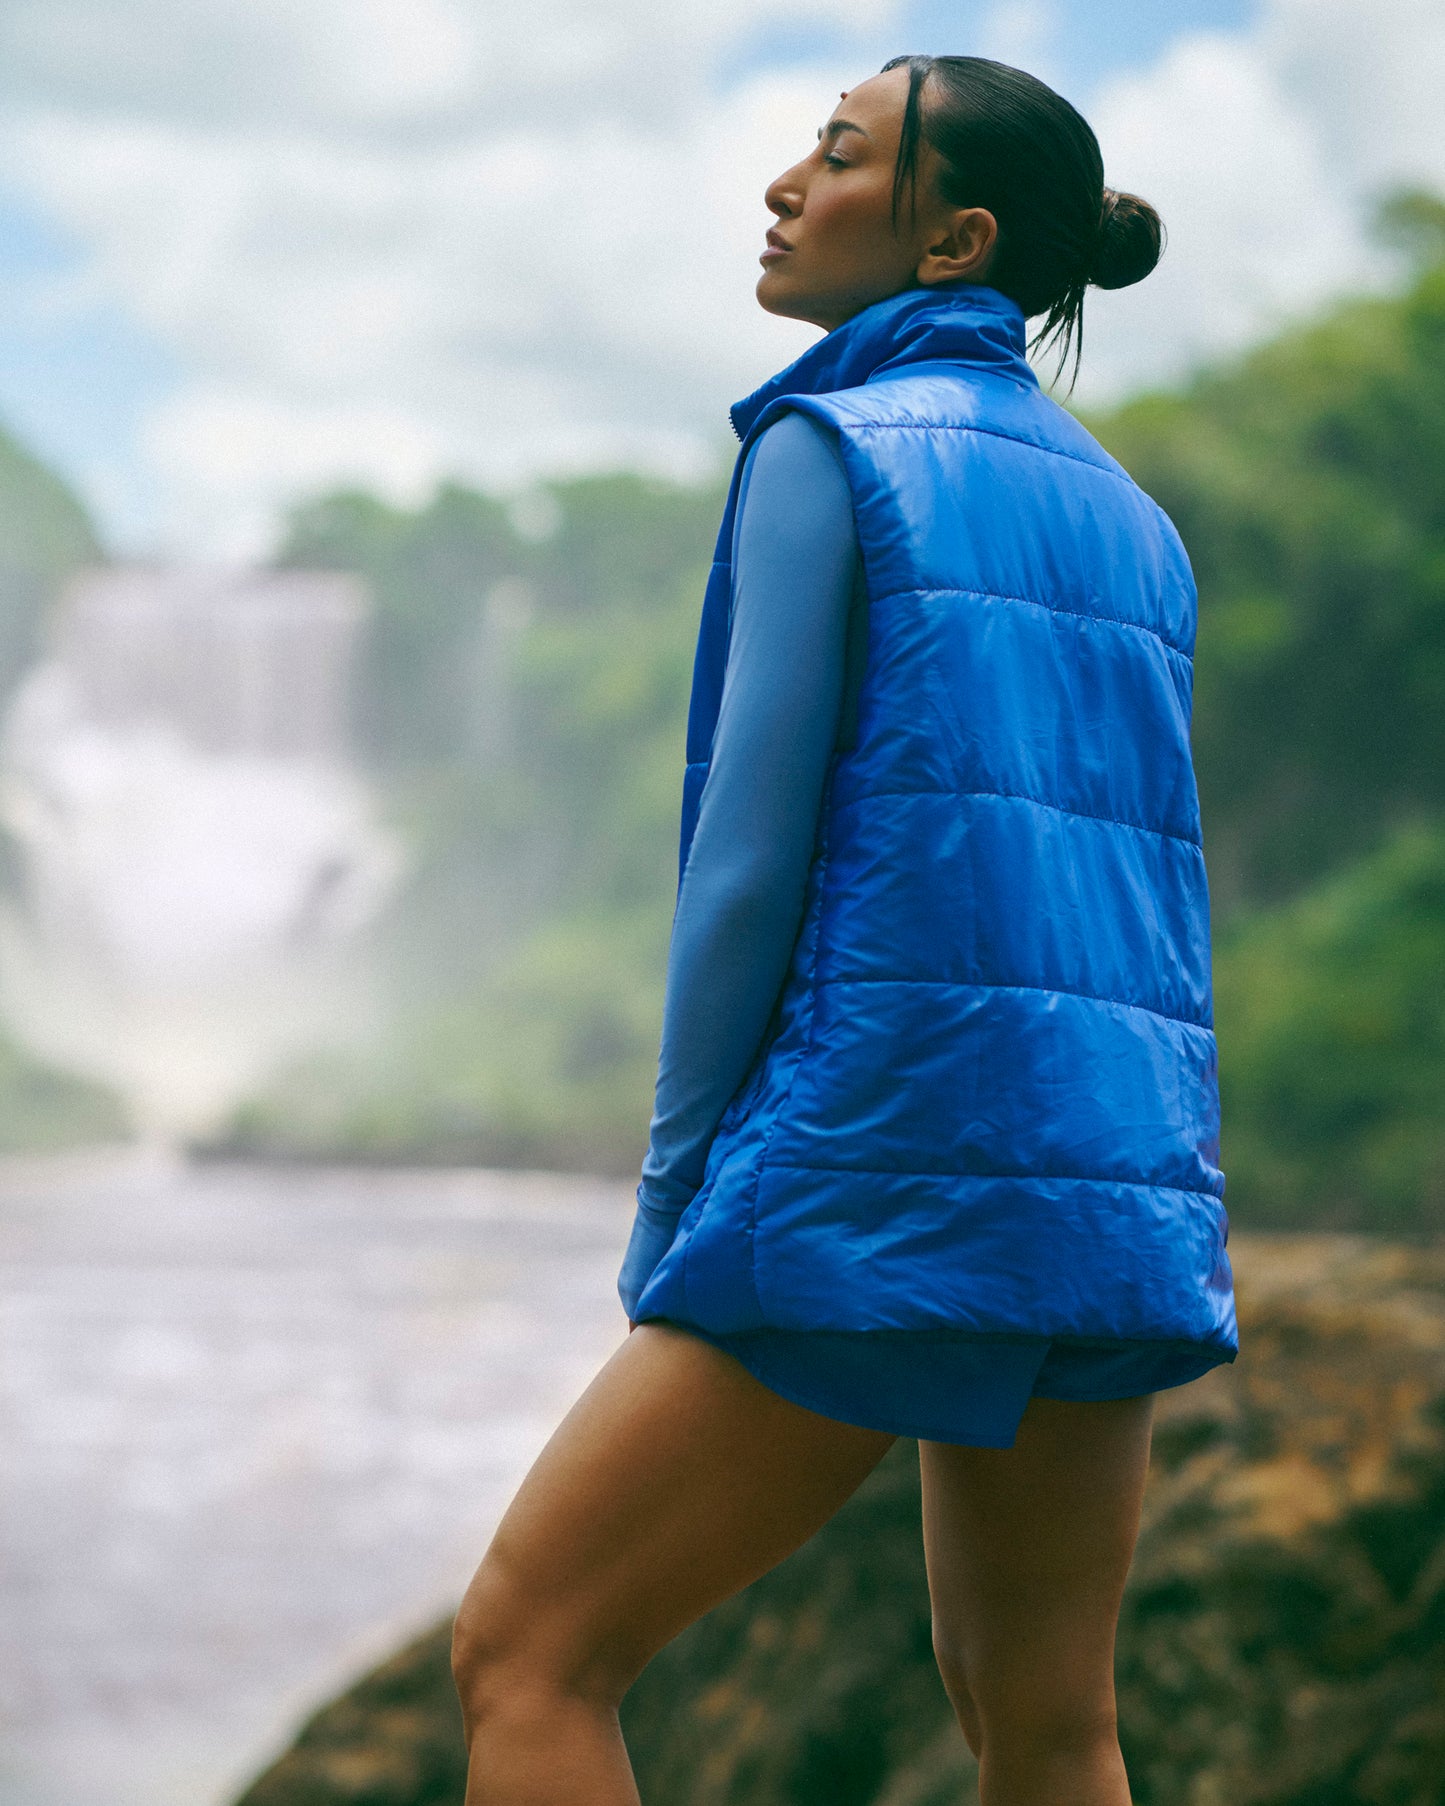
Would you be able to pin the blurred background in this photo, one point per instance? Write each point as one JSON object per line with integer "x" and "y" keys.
{"x": 363, "y": 382}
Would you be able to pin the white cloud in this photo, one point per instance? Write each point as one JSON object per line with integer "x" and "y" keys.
{"x": 504, "y": 296}
{"x": 1021, "y": 32}
{"x": 387, "y": 240}
{"x": 1255, "y": 229}
{"x": 1264, "y": 151}
{"x": 236, "y": 460}
{"x": 380, "y": 63}
{"x": 1372, "y": 77}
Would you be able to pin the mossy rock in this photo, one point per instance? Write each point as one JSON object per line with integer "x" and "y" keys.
{"x": 1283, "y": 1635}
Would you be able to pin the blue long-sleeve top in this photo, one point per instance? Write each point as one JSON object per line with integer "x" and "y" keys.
{"x": 789, "y": 689}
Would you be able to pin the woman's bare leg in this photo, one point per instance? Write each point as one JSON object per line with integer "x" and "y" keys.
{"x": 675, "y": 1480}
{"x": 1028, "y": 1549}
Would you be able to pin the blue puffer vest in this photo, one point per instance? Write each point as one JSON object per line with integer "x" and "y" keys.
{"x": 988, "y": 1099}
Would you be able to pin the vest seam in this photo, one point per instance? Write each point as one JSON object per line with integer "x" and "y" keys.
{"x": 931, "y": 1172}
{"x": 1055, "y": 608}
{"x": 993, "y": 432}
{"x": 945, "y": 1332}
{"x": 1019, "y": 796}
{"x": 972, "y": 984}
{"x": 815, "y": 955}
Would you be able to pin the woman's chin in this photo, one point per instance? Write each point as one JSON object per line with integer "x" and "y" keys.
{"x": 771, "y": 298}
{"x": 775, "y": 296}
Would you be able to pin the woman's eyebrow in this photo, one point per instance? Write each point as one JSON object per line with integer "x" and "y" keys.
{"x": 834, "y": 126}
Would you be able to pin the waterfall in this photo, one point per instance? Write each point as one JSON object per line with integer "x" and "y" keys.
{"x": 195, "y": 855}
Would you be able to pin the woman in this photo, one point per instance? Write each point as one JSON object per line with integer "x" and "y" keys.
{"x": 935, "y": 1145}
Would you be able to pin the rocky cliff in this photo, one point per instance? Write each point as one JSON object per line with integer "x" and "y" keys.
{"x": 1282, "y": 1642}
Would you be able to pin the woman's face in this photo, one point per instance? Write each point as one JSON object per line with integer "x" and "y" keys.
{"x": 834, "y": 250}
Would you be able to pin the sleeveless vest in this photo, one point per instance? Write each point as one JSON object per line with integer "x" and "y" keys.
{"x": 988, "y": 1098}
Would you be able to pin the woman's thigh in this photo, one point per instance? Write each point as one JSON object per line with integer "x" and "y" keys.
{"x": 675, "y": 1480}
{"x": 1028, "y": 1549}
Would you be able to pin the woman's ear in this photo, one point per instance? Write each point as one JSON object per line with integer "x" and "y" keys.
{"x": 961, "y": 247}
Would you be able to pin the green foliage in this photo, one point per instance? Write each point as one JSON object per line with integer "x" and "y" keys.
{"x": 614, "y": 553}
{"x": 1412, "y": 220}
{"x": 43, "y": 1109}
{"x": 546, "y": 1060}
{"x": 1306, "y": 484}
{"x": 1331, "y": 1019}
{"x": 526, "y": 729}
{"x": 428, "y": 573}
{"x": 44, "y": 535}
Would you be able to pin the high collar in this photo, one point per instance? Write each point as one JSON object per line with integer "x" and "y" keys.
{"x": 948, "y": 322}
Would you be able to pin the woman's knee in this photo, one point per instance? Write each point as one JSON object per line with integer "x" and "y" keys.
{"x": 953, "y": 1671}
{"x": 1044, "y": 1714}
{"x": 1048, "y": 1707}
{"x": 514, "y": 1656}
{"x": 489, "y": 1644}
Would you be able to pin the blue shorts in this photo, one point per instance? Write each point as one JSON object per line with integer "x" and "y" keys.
{"x": 951, "y": 1386}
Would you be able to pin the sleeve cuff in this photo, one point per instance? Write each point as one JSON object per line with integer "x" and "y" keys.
{"x": 659, "y": 1207}
{"x": 653, "y": 1231}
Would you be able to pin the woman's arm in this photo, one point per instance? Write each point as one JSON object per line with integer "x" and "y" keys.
{"x": 741, "y": 900}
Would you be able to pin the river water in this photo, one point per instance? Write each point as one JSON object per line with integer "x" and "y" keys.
{"x": 256, "y": 1425}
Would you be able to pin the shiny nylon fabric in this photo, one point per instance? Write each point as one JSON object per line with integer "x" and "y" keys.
{"x": 989, "y": 1100}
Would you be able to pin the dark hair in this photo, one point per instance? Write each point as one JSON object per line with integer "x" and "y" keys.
{"x": 1006, "y": 141}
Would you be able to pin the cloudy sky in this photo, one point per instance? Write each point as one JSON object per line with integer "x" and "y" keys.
{"x": 252, "y": 248}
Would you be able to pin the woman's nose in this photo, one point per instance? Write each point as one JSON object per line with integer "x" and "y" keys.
{"x": 783, "y": 195}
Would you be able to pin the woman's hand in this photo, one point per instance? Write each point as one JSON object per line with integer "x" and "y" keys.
{"x": 652, "y": 1235}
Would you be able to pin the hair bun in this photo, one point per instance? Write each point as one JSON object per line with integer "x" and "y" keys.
{"x": 1131, "y": 238}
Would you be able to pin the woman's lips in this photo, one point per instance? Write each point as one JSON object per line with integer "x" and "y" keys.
{"x": 775, "y": 248}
